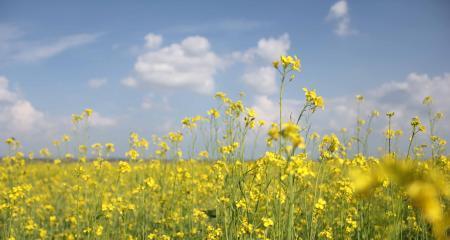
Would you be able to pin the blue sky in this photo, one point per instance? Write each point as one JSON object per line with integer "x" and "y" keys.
{"x": 59, "y": 57}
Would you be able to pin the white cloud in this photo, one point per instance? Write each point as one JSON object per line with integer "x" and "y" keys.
{"x": 270, "y": 49}
{"x": 153, "y": 40}
{"x": 192, "y": 65}
{"x": 262, "y": 80}
{"x": 21, "y": 119}
{"x": 5, "y": 94}
{"x": 267, "y": 50}
{"x": 147, "y": 103}
{"x": 265, "y": 108}
{"x": 97, "y": 120}
{"x": 43, "y": 51}
{"x": 150, "y": 101}
{"x": 258, "y": 71}
{"x": 22, "y": 116}
{"x": 403, "y": 97}
{"x": 339, "y": 9}
{"x": 97, "y": 82}
{"x": 268, "y": 108}
{"x": 339, "y": 13}
{"x": 416, "y": 87}
{"x": 13, "y": 46}
{"x": 17, "y": 115}
{"x": 129, "y": 82}
{"x": 189, "y": 64}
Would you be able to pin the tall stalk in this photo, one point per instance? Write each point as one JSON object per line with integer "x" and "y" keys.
{"x": 389, "y": 134}
{"x": 283, "y": 77}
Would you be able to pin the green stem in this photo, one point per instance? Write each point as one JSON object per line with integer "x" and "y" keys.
{"x": 410, "y": 142}
{"x": 389, "y": 136}
{"x": 281, "y": 108}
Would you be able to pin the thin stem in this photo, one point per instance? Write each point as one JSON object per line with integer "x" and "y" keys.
{"x": 410, "y": 142}
{"x": 389, "y": 137}
{"x": 301, "y": 113}
{"x": 283, "y": 76}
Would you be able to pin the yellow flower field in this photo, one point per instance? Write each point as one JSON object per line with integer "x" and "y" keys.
{"x": 194, "y": 183}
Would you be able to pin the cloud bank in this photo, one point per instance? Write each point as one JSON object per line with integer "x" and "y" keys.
{"x": 340, "y": 16}
{"x": 189, "y": 64}
{"x": 403, "y": 97}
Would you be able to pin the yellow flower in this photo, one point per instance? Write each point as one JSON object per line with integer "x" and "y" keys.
{"x": 134, "y": 137}
{"x": 152, "y": 236}
{"x": 425, "y": 197}
{"x": 275, "y": 64}
{"x": 229, "y": 148}
{"x": 439, "y": 115}
{"x": 176, "y": 137}
{"x": 314, "y": 136}
{"x": 267, "y": 222}
{"x": 83, "y": 159}
{"x": 99, "y": 231}
{"x": 398, "y": 132}
{"x": 415, "y": 121}
{"x": 320, "y": 205}
{"x": 427, "y": 100}
{"x": 289, "y": 129}
{"x": 56, "y": 143}
{"x": 132, "y": 154}
{"x": 213, "y": 113}
{"x": 44, "y": 152}
{"x": 389, "y": 133}
{"x": 220, "y": 95}
{"x": 163, "y": 147}
{"x": 88, "y": 112}
{"x": 199, "y": 215}
{"x": 362, "y": 181}
{"x": 327, "y": 233}
{"x": 124, "y": 167}
{"x": 203, "y": 154}
{"x": 330, "y": 146}
{"x": 96, "y": 146}
{"x": 375, "y": 113}
{"x": 241, "y": 204}
{"x": 142, "y": 143}
{"x": 10, "y": 141}
{"x": 110, "y": 147}
{"x": 66, "y": 138}
{"x": 76, "y": 118}
{"x": 289, "y": 61}
{"x": 52, "y": 219}
{"x": 313, "y": 100}
{"x": 42, "y": 233}
{"x": 187, "y": 122}
{"x": 359, "y": 98}
{"x": 30, "y": 225}
{"x": 422, "y": 128}
{"x": 82, "y": 149}
{"x": 274, "y": 132}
